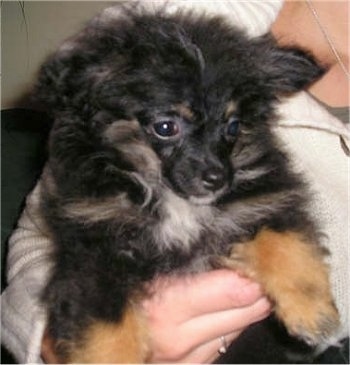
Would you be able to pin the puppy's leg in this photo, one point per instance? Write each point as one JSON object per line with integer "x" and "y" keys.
{"x": 107, "y": 342}
{"x": 293, "y": 274}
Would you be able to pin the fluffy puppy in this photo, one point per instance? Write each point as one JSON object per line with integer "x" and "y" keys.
{"x": 163, "y": 160}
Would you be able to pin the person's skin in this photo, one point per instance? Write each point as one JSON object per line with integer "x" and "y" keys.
{"x": 187, "y": 317}
{"x": 296, "y": 25}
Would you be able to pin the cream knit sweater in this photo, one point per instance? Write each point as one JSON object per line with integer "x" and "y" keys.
{"x": 309, "y": 132}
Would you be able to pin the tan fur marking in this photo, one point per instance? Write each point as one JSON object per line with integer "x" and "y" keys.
{"x": 122, "y": 130}
{"x": 92, "y": 210}
{"x": 184, "y": 111}
{"x": 294, "y": 276}
{"x": 126, "y": 136}
{"x": 108, "y": 343}
{"x": 142, "y": 157}
{"x": 230, "y": 109}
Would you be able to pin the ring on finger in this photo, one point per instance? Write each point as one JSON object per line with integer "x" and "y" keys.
{"x": 223, "y": 348}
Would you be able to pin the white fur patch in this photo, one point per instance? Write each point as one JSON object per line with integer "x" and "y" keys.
{"x": 182, "y": 222}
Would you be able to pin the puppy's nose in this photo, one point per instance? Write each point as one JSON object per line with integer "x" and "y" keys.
{"x": 213, "y": 178}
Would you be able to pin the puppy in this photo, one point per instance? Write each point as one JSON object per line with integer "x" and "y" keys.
{"x": 163, "y": 160}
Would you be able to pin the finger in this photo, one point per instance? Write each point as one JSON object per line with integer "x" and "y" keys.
{"x": 212, "y": 326}
{"x": 208, "y": 352}
{"x": 222, "y": 290}
{"x": 205, "y": 353}
{"x": 203, "y": 293}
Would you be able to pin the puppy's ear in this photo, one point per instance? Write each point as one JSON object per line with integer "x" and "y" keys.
{"x": 287, "y": 69}
{"x": 59, "y": 83}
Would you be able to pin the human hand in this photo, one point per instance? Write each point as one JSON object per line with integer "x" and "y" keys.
{"x": 187, "y": 316}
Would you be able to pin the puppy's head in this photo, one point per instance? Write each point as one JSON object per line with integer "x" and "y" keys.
{"x": 141, "y": 98}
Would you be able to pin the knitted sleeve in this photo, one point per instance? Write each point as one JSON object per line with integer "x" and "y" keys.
{"x": 22, "y": 317}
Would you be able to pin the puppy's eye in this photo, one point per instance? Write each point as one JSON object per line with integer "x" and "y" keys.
{"x": 232, "y": 126}
{"x": 166, "y": 128}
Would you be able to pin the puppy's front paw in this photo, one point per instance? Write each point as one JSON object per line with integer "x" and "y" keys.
{"x": 294, "y": 277}
{"x": 308, "y": 313}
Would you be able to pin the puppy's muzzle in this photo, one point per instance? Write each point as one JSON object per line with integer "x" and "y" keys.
{"x": 213, "y": 178}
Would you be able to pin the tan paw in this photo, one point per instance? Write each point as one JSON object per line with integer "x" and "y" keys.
{"x": 294, "y": 276}
{"x": 308, "y": 316}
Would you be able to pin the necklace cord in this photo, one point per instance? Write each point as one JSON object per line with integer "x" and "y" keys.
{"x": 327, "y": 37}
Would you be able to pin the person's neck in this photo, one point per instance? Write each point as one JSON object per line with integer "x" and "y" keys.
{"x": 296, "y": 25}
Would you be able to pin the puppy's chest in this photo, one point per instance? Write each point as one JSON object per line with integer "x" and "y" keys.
{"x": 189, "y": 228}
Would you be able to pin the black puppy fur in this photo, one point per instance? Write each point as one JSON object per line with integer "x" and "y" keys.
{"x": 162, "y": 154}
